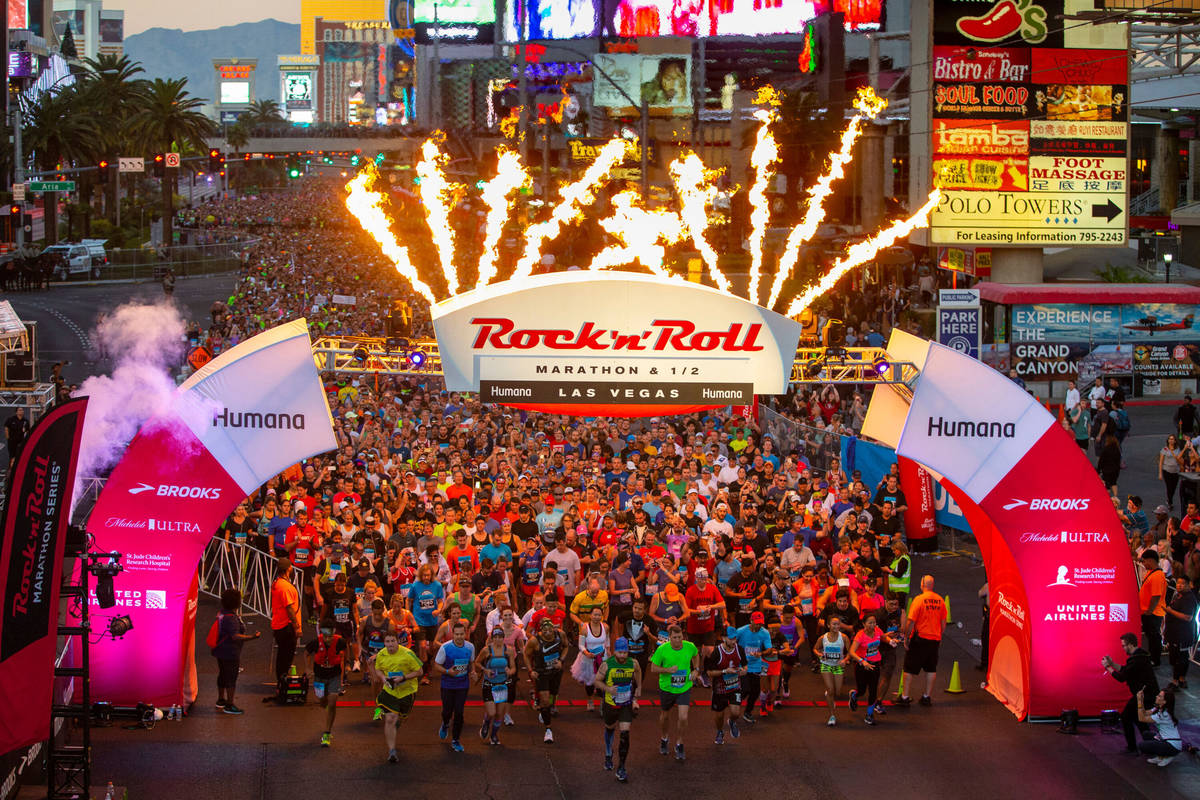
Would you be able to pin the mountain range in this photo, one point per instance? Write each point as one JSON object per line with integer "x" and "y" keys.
{"x": 173, "y": 53}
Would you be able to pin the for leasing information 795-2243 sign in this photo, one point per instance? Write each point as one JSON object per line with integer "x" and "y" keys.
{"x": 1030, "y": 125}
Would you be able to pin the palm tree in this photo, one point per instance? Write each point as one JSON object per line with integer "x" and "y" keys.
{"x": 59, "y": 127}
{"x": 169, "y": 120}
{"x": 237, "y": 136}
{"x": 111, "y": 82}
{"x": 263, "y": 112}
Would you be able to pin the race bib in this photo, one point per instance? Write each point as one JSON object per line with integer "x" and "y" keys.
{"x": 370, "y": 552}
{"x": 239, "y": 537}
{"x": 341, "y": 614}
{"x": 335, "y": 570}
{"x": 302, "y": 553}
{"x": 359, "y": 592}
{"x": 744, "y": 603}
{"x": 395, "y": 678}
{"x": 319, "y": 689}
{"x": 460, "y": 667}
{"x": 500, "y": 693}
{"x": 731, "y": 682}
{"x": 806, "y": 605}
{"x": 404, "y": 590}
{"x": 679, "y": 679}
{"x": 623, "y": 695}
{"x": 427, "y": 603}
{"x": 551, "y": 661}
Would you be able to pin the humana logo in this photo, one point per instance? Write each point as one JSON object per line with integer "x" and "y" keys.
{"x": 253, "y": 419}
{"x": 968, "y": 429}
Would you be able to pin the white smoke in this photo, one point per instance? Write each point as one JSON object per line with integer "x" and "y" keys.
{"x": 144, "y": 343}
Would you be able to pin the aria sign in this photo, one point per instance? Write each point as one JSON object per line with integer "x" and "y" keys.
{"x": 640, "y": 345}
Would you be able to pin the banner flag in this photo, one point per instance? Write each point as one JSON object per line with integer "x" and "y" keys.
{"x": 36, "y": 514}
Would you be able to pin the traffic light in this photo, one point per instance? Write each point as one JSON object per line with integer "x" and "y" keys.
{"x": 15, "y": 210}
{"x": 102, "y": 170}
{"x": 354, "y": 161}
{"x": 215, "y": 160}
{"x": 160, "y": 165}
{"x": 379, "y": 159}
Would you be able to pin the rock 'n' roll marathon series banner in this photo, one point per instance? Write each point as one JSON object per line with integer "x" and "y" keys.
{"x": 245, "y": 416}
{"x": 36, "y": 513}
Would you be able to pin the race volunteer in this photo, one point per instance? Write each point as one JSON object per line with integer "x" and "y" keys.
{"x": 923, "y": 629}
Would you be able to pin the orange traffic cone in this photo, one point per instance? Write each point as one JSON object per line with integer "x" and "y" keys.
{"x": 955, "y": 686}
{"x": 949, "y": 619}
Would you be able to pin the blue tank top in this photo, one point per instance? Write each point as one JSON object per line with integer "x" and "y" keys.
{"x": 457, "y": 662}
{"x": 531, "y": 575}
{"x": 497, "y": 669}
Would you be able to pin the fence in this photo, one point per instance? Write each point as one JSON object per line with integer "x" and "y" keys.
{"x": 818, "y": 446}
{"x": 185, "y": 260}
{"x": 235, "y": 565}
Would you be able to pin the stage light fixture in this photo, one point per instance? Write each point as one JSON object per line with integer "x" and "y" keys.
{"x": 1069, "y": 721}
{"x": 106, "y": 595}
{"x": 416, "y": 358}
{"x": 881, "y": 365}
{"x": 360, "y": 354}
{"x": 811, "y": 369}
{"x": 119, "y": 626}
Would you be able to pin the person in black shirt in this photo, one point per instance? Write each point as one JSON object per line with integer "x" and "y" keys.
{"x": 1185, "y": 417}
{"x": 843, "y": 610}
{"x": 1138, "y": 675}
{"x": 1180, "y": 630}
{"x": 742, "y": 593}
{"x": 16, "y": 428}
{"x": 891, "y": 492}
{"x": 524, "y": 528}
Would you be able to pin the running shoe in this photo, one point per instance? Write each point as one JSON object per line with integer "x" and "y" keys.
{"x": 341, "y": 690}
{"x": 662, "y": 746}
{"x": 903, "y": 702}
{"x": 220, "y": 704}
{"x": 508, "y": 721}
{"x": 748, "y": 719}
{"x": 1154, "y": 760}
{"x": 495, "y": 740}
{"x": 357, "y": 666}
{"x": 832, "y": 721}
{"x": 392, "y": 757}
{"x": 679, "y": 756}
{"x": 378, "y": 714}
{"x": 854, "y": 700}
{"x": 230, "y": 708}
{"x": 926, "y": 700}
{"x": 870, "y": 719}
{"x": 485, "y": 728}
{"x": 443, "y": 732}
{"x": 326, "y": 739}
{"x": 622, "y": 775}
{"x": 608, "y": 762}
{"x": 1162, "y": 762}
{"x": 456, "y": 746}
{"x": 734, "y": 730}
{"x": 778, "y": 704}
{"x": 879, "y": 709}
{"x": 720, "y": 737}
{"x": 549, "y": 737}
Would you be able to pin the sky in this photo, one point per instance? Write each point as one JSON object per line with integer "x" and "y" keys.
{"x": 143, "y": 14}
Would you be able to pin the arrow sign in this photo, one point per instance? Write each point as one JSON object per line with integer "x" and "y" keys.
{"x": 1109, "y": 211}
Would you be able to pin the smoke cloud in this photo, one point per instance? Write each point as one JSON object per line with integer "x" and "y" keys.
{"x": 144, "y": 342}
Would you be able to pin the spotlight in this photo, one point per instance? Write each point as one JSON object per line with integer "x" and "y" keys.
{"x": 416, "y": 358}
{"x": 119, "y": 626}
{"x": 1110, "y": 720}
{"x": 811, "y": 369}
{"x": 881, "y": 365}
{"x": 1069, "y": 721}
{"x": 360, "y": 354}
{"x": 106, "y": 596}
{"x": 834, "y": 334}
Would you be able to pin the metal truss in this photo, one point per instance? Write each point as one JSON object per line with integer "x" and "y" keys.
{"x": 1164, "y": 50}
{"x": 35, "y": 398}
{"x": 346, "y": 355}
{"x": 870, "y": 365}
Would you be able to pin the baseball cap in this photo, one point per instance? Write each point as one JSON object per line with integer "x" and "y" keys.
{"x": 757, "y": 616}
{"x": 731, "y": 632}
{"x": 621, "y": 645}
{"x": 1162, "y": 510}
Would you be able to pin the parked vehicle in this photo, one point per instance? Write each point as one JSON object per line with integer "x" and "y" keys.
{"x": 73, "y": 259}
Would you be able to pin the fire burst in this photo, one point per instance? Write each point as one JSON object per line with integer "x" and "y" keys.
{"x": 436, "y": 196}
{"x": 642, "y": 233}
{"x": 574, "y": 197}
{"x": 696, "y": 189}
{"x": 366, "y": 205}
{"x": 497, "y": 196}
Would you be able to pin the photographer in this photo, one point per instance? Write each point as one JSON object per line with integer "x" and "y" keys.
{"x": 1138, "y": 675}
{"x": 1166, "y": 744}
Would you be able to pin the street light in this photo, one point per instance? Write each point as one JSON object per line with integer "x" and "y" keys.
{"x": 1167, "y": 259}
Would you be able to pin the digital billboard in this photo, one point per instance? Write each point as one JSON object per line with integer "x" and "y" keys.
{"x": 297, "y": 90}
{"x": 553, "y": 19}
{"x": 662, "y": 81}
{"x": 17, "y": 10}
{"x": 454, "y": 21}
{"x": 235, "y": 92}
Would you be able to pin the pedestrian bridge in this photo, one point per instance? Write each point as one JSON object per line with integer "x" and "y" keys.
{"x": 397, "y": 146}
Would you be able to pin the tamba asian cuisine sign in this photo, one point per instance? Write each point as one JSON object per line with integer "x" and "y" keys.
{"x": 612, "y": 343}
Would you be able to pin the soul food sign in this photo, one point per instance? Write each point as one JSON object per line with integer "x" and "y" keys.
{"x": 619, "y": 344}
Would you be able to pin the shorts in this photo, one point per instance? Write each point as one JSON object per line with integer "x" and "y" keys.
{"x": 705, "y": 639}
{"x": 345, "y": 630}
{"x": 227, "y": 672}
{"x": 922, "y": 655}
{"x": 426, "y": 633}
{"x": 549, "y": 682}
{"x": 833, "y": 669}
{"x": 309, "y": 573}
{"x": 671, "y": 699}
{"x": 330, "y": 686}
{"x": 774, "y": 668}
{"x": 722, "y": 701}
{"x": 487, "y": 692}
{"x": 614, "y": 714}
{"x": 396, "y": 705}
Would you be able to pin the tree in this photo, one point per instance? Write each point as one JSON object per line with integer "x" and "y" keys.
{"x": 263, "y": 112}
{"x": 168, "y": 121}
{"x": 59, "y": 127}
{"x": 112, "y": 86}
{"x": 237, "y": 136}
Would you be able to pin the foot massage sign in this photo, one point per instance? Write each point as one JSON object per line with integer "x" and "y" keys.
{"x": 243, "y": 418}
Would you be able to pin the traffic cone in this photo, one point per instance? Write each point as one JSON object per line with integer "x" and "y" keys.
{"x": 949, "y": 620}
{"x": 955, "y": 686}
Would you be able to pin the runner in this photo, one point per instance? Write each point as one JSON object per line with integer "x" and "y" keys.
{"x": 544, "y": 654}
{"x": 790, "y": 643}
{"x": 620, "y": 678}
{"x": 923, "y": 629}
{"x": 455, "y": 663}
{"x": 865, "y": 653}
{"x": 640, "y": 632}
{"x": 833, "y": 649}
{"x": 726, "y": 667}
{"x": 891, "y": 621}
{"x": 373, "y": 632}
{"x": 593, "y": 647}
{"x": 676, "y": 662}
{"x": 424, "y": 599}
{"x": 338, "y": 606}
{"x": 328, "y": 654}
{"x": 497, "y": 666}
{"x": 398, "y": 669}
{"x": 755, "y": 641}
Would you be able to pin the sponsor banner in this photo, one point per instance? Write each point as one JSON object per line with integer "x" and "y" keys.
{"x": 981, "y": 138}
{"x": 31, "y": 556}
{"x": 1049, "y": 219}
{"x": 244, "y": 417}
{"x": 1078, "y": 66}
{"x": 946, "y": 509}
{"x": 918, "y": 490}
{"x": 535, "y": 330}
{"x": 981, "y": 65}
{"x": 1167, "y": 360}
{"x": 982, "y": 101}
{"x": 615, "y": 392}
{"x": 981, "y": 174}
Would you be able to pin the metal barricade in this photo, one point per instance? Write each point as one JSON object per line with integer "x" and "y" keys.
{"x": 236, "y": 565}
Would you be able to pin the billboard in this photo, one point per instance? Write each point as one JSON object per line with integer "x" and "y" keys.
{"x": 1029, "y": 121}
{"x": 959, "y": 320}
{"x": 296, "y": 89}
{"x": 17, "y": 11}
{"x": 642, "y": 345}
{"x": 454, "y": 21}
{"x": 662, "y": 81}
{"x": 235, "y": 92}
{"x": 553, "y": 19}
